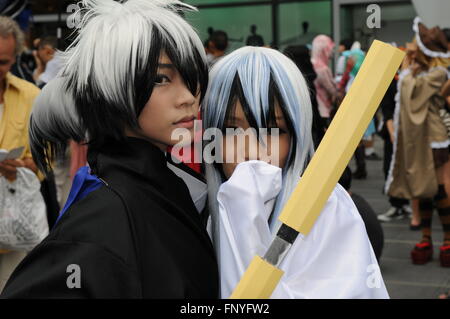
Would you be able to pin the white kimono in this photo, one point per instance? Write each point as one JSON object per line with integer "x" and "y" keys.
{"x": 335, "y": 260}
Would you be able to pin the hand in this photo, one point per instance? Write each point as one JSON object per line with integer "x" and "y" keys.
{"x": 38, "y": 61}
{"x": 40, "y": 67}
{"x": 8, "y": 168}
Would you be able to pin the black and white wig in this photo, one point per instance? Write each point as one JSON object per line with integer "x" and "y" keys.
{"x": 109, "y": 73}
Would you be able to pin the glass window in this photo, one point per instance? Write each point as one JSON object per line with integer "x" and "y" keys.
{"x": 292, "y": 16}
{"x": 204, "y": 2}
{"x": 235, "y": 22}
{"x": 346, "y": 25}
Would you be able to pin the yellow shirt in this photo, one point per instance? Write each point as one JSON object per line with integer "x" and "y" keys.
{"x": 18, "y": 100}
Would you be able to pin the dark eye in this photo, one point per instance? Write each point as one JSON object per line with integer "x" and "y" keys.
{"x": 275, "y": 129}
{"x": 161, "y": 79}
{"x": 233, "y": 130}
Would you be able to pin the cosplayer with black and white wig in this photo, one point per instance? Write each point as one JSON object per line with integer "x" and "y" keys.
{"x": 262, "y": 88}
{"x": 110, "y": 71}
{"x": 129, "y": 228}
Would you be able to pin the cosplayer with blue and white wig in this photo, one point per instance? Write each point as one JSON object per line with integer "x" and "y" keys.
{"x": 336, "y": 259}
{"x": 261, "y": 71}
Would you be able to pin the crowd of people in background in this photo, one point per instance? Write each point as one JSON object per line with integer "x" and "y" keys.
{"x": 25, "y": 68}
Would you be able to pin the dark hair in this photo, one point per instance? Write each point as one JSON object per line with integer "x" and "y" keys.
{"x": 101, "y": 93}
{"x": 219, "y": 39}
{"x": 347, "y": 43}
{"x": 447, "y": 33}
{"x": 346, "y": 179}
{"x": 302, "y": 58}
{"x": 48, "y": 40}
{"x": 268, "y": 119}
{"x": 112, "y": 116}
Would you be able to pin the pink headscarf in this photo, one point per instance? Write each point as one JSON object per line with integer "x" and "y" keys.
{"x": 322, "y": 47}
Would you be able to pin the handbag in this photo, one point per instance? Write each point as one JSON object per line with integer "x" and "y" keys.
{"x": 23, "y": 217}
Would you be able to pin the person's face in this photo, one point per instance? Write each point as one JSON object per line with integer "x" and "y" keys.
{"x": 45, "y": 53}
{"x": 7, "y": 55}
{"x": 170, "y": 106}
{"x": 238, "y": 120}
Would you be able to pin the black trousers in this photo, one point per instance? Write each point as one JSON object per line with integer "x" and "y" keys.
{"x": 388, "y": 151}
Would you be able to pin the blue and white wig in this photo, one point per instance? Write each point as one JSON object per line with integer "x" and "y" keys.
{"x": 109, "y": 73}
{"x": 263, "y": 74}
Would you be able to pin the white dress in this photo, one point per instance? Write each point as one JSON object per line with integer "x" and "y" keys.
{"x": 335, "y": 260}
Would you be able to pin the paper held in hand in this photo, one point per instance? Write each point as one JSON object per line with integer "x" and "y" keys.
{"x": 12, "y": 154}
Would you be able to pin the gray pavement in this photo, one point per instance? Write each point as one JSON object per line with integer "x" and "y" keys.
{"x": 403, "y": 279}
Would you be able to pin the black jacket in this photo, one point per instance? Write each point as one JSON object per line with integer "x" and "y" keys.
{"x": 138, "y": 236}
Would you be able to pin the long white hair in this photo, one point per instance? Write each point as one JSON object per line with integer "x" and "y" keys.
{"x": 258, "y": 70}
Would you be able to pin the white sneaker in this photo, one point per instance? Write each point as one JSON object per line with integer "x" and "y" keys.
{"x": 407, "y": 209}
{"x": 391, "y": 214}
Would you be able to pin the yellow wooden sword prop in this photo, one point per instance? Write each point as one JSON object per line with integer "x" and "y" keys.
{"x": 323, "y": 172}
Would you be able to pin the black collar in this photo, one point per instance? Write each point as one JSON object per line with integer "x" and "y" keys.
{"x": 137, "y": 163}
{"x": 134, "y": 156}
{"x": 123, "y": 166}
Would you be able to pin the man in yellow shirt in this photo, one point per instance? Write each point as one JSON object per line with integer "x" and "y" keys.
{"x": 16, "y": 100}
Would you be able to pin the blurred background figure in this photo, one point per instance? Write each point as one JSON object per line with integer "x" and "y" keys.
{"x": 326, "y": 91}
{"x": 301, "y": 56}
{"x": 422, "y": 140}
{"x": 399, "y": 206}
{"x": 305, "y": 37}
{"x": 352, "y": 60}
{"x": 344, "y": 46}
{"x": 47, "y": 61}
{"x": 210, "y": 30}
{"x": 16, "y": 100}
{"x": 254, "y": 39}
{"x": 217, "y": 45}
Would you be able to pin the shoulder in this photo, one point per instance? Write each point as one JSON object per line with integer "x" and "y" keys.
{"x": 343, "y": 201}
{"x": 28, "y": 89}
{"x": 439, "y": 73}
{"x": 100, "y": 218}
{"x": 55, "y": 267}
{"x": 339, "y": 212}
